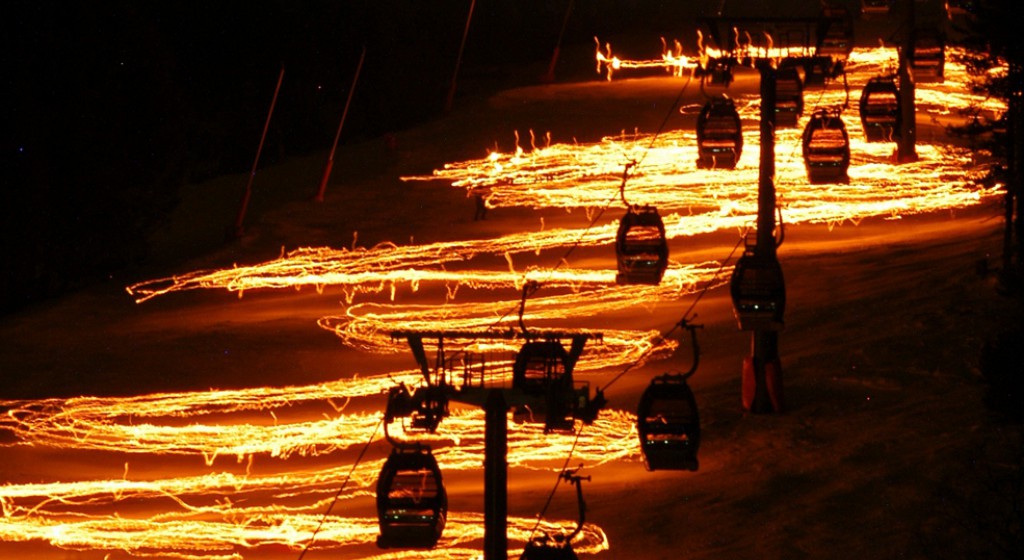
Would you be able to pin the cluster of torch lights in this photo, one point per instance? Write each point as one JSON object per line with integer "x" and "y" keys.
{"x": 254, "y": 469}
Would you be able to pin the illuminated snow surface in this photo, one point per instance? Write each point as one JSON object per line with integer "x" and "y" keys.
{"x": 205, "y": 425}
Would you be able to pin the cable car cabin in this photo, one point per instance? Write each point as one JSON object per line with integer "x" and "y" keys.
{"x": 929, "y": 56}
{"x": 541, "y": 549}
{"x": 880, "y": 109}
{"x": 874, "y": 8}
{"x": 668, "y": 424}
{"x": 961, "y": 8}
{"x": 542, "y": 372}
{"x": 539, "y": 365}
{"x": 826, "y": 148}
{"x": 641, "y": 247}
{"x": 412, "y": 504}
{"x": 758, "y": 292}
{"x": 559, "y": 546}
{"x": 718, "y": 72}
{"x": 789, "y": 97}
{"x": 719, "y": 134}
{"x": 817, "y": 71}
{"x": 835, "y": 33}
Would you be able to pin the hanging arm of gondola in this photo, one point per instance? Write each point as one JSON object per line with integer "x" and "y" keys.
{"x": 622, "y": 186}
{"x": 530, "y": 287}
{"x": 576, "y": 480}
{"x": 399, "y": 405}
{"x": 684, "y": 323}
{"x": 781, "y": 229}
{"x": 846, "y": 85}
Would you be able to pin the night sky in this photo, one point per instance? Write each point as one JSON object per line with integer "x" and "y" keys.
{"x": 112, "y": 106}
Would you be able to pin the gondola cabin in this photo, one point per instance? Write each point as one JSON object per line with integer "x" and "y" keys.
{"x": 412, "y": 504}
{"x": 817, "y": 71}
{"x": 559, "y": 546}
{"x": 542, "y": 549}
{"x": 880, "y": 109}
{"x": 758, "y": 292}
{"x": 641, "y": 247}
{"x": 668, "y": 424}
{"x": 789, "y": 97}
{"x": 826, "y": 148}
{"x": 718, "y": 72}
{"x": 719, "y": 134}
{"x": 546, "y": 393}
{"x": 539, "y": 365}
{"x": 961, "y": 8}
{"x": 835, "y": 33}
{"x": 874, "y": 8}
{"x": 929, "y": 57}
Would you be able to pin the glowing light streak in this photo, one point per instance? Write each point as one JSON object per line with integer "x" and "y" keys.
{"x": 232, "y": 539}
{"x": 672, "y": 60}
{"x": 367, "y": 326}
{"x": 670, "y": 179}
{"x": 587, "y": 176}
{"x": 324, "y": 269}
{"x": 217, "y": 515}
{"x": 111, "y": 425}
{"x": 221, "y": 515}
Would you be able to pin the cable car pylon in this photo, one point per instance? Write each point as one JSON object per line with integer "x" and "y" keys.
{"x": 542, "y": 390}
{"x": 906, "y": 145}
{"x": 762, "y": 370}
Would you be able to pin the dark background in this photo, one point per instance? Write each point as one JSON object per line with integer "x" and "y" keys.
{"x": 111, "y": 106}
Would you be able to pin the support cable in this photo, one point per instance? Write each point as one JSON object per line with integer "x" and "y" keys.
{"x": 633, "y": 164}
{"x": 682, "y": 322}
{"x": 558, "y": 481}
{"x": 661, "y": 338}
{"x": 337, "y": 495}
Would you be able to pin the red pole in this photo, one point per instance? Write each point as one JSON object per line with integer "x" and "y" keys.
{"x": 550, "y": 76}
{"x": 330, "y": 159}
{"x": 458, "y": 62}
{"x": 248, "y": 187}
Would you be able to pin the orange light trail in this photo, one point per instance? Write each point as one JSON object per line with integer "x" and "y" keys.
{"x": 209, "y": 515}
{"x": 232, "y": 537}
{"x": 384, "y": 268}
{"x": 214, "y": 511}
{"x": 587, "y": 176}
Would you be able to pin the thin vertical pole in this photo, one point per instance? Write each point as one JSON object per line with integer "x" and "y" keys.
{"x": 766, "y": 173}
{"x": 458, "y": 61}
{"x": 495, "y": 476}
{"x": 330, "y": 159}
{"x": 765, "y": 342}
{"x": 252, "y": 174}
{"x": 550, "y": 76}
{"x": 1016, "y": 179}
{"x": 906, "y": 144}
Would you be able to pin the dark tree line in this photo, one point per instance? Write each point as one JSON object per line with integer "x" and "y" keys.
{"x": 991, "y": 33}
{"x": 994, "y": 506}
{"x": 112, "y": 106}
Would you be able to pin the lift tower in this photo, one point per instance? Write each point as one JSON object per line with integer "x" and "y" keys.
{"x": 906, "y": 143}
{"x": 542, "y": 389}
{"x": 757, "y": 285}
{"x": 762, "y": 371}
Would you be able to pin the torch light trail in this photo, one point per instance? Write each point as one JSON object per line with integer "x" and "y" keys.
{"x": 587, "y": 177}
{"x": 206, "y": 514}
{"x": 274, "y": 486}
